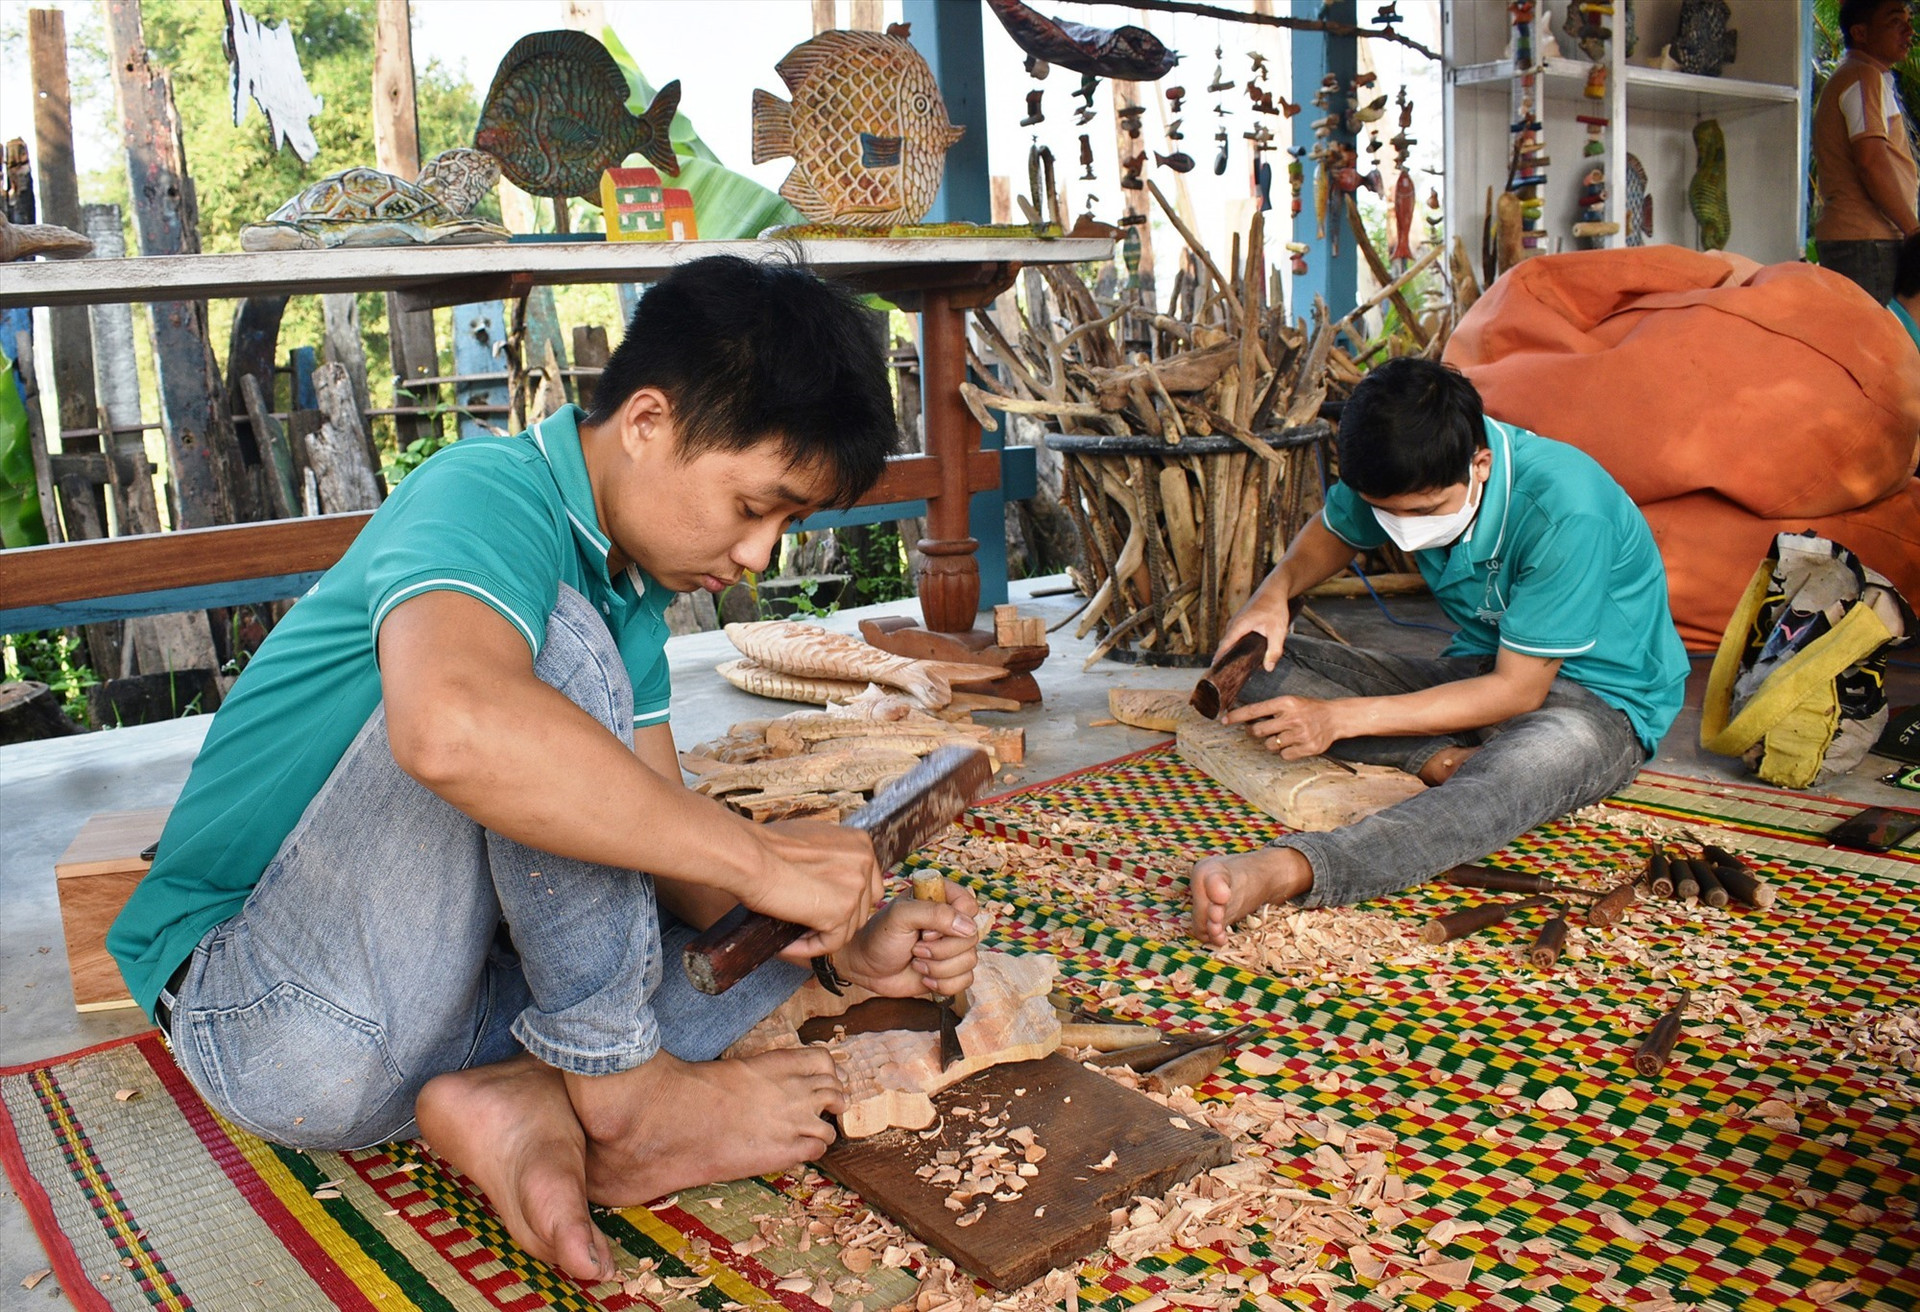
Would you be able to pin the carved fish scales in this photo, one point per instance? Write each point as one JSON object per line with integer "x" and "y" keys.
{"x": 814, "y": 652}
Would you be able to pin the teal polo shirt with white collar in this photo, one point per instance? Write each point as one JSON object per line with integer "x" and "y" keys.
{"x": 1558, "y": 563}
{"x": 505, "y": 521}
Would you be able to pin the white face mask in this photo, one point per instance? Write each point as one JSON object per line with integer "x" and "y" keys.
{"x": 1424, "y": 532}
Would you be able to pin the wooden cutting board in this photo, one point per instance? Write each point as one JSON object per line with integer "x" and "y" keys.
{"x": 1078, "y": 1117}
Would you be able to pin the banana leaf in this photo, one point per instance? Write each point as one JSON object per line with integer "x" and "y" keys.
{"x": 20, "y": 521}
{"x": 728, "y": 206}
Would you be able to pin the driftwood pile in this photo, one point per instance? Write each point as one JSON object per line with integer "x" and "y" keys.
{"x": 823, "y": 765}
{"x": 1207, "y": 418}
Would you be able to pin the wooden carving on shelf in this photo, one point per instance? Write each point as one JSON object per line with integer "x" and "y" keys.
{"x": 556, "y": 118}
{"x": 368, "y": 207}
{"x": 867, "y": 130}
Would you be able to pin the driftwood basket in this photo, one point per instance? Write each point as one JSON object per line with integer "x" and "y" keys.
{"x": 1178, "y": 534}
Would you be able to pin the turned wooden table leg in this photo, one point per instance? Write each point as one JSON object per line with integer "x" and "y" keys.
{"x": 949, "y": 583}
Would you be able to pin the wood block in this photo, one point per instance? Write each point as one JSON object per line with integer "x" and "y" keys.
{"x": 1064, "y": 1214}
{"x": 1312, "y": 794}
{"x": 95, "y": 876}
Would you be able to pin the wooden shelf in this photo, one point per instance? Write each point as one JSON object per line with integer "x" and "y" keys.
{"x": 1654, "y": 89}
{"x": 462, "y": 272}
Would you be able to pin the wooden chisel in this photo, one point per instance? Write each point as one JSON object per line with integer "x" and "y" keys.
{"x": 931, "y": 886}
{"x": 902, "y": 817}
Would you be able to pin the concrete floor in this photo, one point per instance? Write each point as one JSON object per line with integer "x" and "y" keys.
{"x": 47, "y": 790}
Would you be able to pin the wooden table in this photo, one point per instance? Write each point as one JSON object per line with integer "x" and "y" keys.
{"x": 940, "y": 278}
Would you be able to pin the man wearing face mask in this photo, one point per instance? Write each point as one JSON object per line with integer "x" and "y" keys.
{"x": 1565, "y": 672}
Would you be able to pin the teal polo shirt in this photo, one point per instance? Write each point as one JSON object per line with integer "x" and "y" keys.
{"x": 503, "y": 520}
{"x": 1906, "y": 320}
{"x": 1558, "y": 563}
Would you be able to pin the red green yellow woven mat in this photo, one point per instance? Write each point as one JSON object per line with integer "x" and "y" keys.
{"x": 154, "y": 1201}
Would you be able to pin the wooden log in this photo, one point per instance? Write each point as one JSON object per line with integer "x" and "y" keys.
{"x": 30, "y": 711}
{"x": 1311, "y": 794}
{"x": 1387, "y": 585}
{"x": 1389, "y": 284}
{"x": 342, "y": 345}
{"x": 338, "y": 452}
{"x": 58, "y": 197}
{"x": 199, "y": 428}
{"x": 151, "y": 698}
{"x": 396, "y": 147}
{"x": 275, "y": 454}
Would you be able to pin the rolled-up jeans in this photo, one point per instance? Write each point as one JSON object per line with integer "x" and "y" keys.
{"x": 1573, "y": 751}
{"x": 372, "y": 956}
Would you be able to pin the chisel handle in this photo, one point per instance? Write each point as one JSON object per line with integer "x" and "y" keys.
{"x": 1651, "y": 1057}
{"x": 900, "y": 818}
{"x": 1445, "y": 929}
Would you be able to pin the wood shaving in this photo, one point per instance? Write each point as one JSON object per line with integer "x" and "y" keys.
{"x": 126, "y": 1095}
{"x": 1824, "y": 1293}
{"x": 36, "y": 1277}
{"x": 1557, "y": 1099}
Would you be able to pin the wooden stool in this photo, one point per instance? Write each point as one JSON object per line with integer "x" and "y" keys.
{"x": 95, "y": 876}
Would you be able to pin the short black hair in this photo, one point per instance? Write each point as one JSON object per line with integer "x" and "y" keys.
{"x": 753, "y": 351}
{"x": 1906, "y": 276}
{"x": 1412, "y": 425}
{"x": 1853, "y": 13}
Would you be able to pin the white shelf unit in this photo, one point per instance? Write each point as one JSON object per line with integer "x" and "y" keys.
{"x": 1759, "y": 101}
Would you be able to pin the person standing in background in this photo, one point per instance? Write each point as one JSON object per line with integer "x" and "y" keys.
{"x": 1865, "y": 164}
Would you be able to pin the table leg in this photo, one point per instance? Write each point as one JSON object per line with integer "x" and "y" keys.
{"x": 949, "y": 584}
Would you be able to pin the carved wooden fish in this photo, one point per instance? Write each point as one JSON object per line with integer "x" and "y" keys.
{"x": 1707, "y": 193}
{"x": 556, "y": 116}
{"x": 814, "y": 652}
{"x": 1403, "y": 198}
{"x": 867, "y": 130}
{"x": 1131, "y": 54}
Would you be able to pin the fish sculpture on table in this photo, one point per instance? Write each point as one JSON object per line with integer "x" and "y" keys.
{"x": 1130, "y": 54}
{"x": 368, "y": 207}
{"x": 867, "y": 129}
{"x": 556, "y": 117}
{"x": 1707, "y": 193}
{"x": 812, "y": 652}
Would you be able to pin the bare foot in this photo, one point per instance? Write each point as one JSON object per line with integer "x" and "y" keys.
{"x": 510, "y": 1129}
{"x": 1227, "y": 889}
{"x": 671, "y": 1125}
{"x": 1441, "y": 766}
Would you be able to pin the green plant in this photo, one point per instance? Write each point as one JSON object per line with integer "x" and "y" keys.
{"x": 878, "y": 561}
{"x": 52, "y": 657}
{"x": 410, "y": 457}
{"x": 21, "y": 524}
{"x": 804, "y": 604}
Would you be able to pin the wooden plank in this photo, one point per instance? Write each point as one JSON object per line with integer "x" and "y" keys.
{"x": 479, "y": 334}
{"x": 1065, "y": 1212}
{"x": 897, "y": 261}
{"x": 158, "y": 561}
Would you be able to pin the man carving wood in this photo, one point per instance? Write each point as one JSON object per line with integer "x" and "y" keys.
{"x": 401, "y": 890}
{"x": 1565, "y": 672}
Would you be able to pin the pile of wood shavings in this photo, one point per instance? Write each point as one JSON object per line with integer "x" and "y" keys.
{"x": 1326, "y": 941}
{"x": 986, "y": 1168}
{"x": 1891, "y": 1037}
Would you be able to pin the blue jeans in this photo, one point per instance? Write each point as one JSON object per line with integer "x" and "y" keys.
{"x": 1535, "y": 767}
{"x": 393, "y": 939}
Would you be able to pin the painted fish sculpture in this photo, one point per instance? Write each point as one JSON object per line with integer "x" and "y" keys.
{"x": 1707, "y": 193}
{"x": 1704, "y": 44}
{"x": 1131, "y": 54}
{"x": 556, "y": 116}
{"x": 866, "y": 128}
{"x": 813, "y": 652}
{"x": 1639, "y": 212}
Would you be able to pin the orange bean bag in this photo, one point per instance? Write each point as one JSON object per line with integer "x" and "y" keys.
{"x": 1732, "y": 400}
{"x": 1711, "y": 547}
